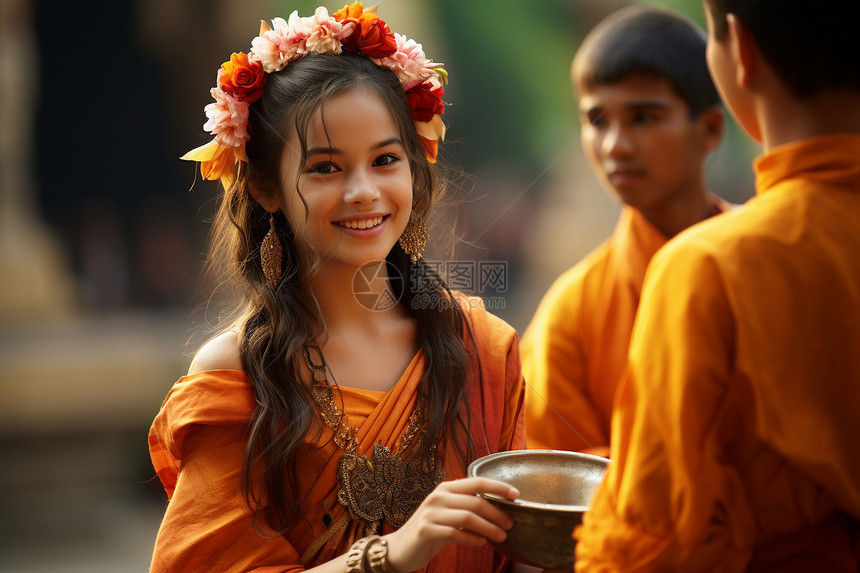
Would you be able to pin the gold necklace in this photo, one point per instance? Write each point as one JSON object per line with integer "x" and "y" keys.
{"x": 381, "y": 486}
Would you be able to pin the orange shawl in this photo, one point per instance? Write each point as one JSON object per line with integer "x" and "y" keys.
{"x": 735, "y": 432}
{"x": 197, "y": 444}
{"x": 574, "y": 351}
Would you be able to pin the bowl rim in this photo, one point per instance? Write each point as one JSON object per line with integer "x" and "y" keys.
{"x": 470, "y": 472}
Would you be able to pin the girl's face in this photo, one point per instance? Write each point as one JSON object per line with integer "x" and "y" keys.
{"x": 356, "y": 184}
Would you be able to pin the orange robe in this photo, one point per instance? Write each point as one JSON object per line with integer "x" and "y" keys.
{"x": 197, "y": 444}
{"x": 735, "y": 433}
{"x": 575, "y": 349}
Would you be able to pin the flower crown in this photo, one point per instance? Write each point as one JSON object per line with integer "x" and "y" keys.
{"x": 354, "y": 29}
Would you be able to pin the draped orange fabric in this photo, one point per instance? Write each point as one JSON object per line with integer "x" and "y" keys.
{"x": 575, "y": 349}
{"x": 197, "y": 444}
{"x": 735, "y": 431}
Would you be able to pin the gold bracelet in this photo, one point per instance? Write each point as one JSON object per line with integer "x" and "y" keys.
{"x": 377, "y": 556}
{"x": 356, "y": 557}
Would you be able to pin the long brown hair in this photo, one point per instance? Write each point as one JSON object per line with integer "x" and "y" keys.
{"x": 275, "y": 325}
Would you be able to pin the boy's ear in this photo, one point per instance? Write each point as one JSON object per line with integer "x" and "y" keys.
{"x": 713, "y": 122}
{"x": 743, "y": 49}
{"x": 266, "y": 198}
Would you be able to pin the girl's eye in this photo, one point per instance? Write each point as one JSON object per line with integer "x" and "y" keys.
{"x": 386, "y": 159}
{"x": 323, "y": 168}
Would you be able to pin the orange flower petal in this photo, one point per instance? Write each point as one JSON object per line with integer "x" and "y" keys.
{"x": 353, "y": 10}
{"x": 216, "y": 161}
{"x": 218, "y": 167}
{"x": 204, "y": 152}
{"x": 433, "y": 129}
{"x": 431, "y": 148}
{"x": 239, "y": 154}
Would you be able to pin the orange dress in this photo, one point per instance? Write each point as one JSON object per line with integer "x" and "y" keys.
{"x": 197, "y": 444}
{"x": 574, "y": 351}
{"x": 735, "y": 433}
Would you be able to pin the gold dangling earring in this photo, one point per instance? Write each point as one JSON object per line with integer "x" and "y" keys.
{"x": 414, "y": 237}
{"x": 270, "y": 255}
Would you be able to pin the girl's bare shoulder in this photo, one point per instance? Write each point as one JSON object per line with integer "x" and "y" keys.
{"x": 219, "y": 353}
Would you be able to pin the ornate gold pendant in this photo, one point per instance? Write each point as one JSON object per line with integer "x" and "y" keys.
{"x": 382, "y": 486}
{"x": 385, "y": 486}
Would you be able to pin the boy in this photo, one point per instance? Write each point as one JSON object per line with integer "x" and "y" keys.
{"x": 736, "y": 429}
{"x": 650, "y": 116}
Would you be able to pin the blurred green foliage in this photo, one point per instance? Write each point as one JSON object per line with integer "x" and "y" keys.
{"x": 690, "y": 8}
{"x": 510, "y": 77}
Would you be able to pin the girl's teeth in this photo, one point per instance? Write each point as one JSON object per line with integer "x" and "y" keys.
{"x": 366, "y": 224}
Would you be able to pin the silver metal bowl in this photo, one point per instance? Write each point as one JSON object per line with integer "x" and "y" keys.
{"x": 555, "y": 491}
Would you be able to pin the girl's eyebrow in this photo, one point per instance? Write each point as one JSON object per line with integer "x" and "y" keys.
{"x": 325, "y": 150}
{"x": 338, "y": 151}
{"x": 387, "y": 142}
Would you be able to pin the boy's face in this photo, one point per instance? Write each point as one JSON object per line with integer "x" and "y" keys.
{"x": 640, "y": 140}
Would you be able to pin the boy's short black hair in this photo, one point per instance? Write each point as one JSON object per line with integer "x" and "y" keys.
{"x": 653, "y": 41}
{"x": 811, "y": 47}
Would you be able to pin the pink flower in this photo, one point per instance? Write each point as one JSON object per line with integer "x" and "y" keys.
{"x": 271, "y": 48}
{"x": 409, "y": 62}
{"x": 274, "y": 48}
{"x": 228, "y": 119}
{"x": 325, "y": 33}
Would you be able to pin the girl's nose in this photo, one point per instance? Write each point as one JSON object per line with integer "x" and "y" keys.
{"x": 361, "y": 189}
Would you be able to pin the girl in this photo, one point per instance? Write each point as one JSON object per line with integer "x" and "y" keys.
{"x": 326, "y": 426}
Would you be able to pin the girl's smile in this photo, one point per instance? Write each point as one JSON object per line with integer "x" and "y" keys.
{"x": 365, "y": 227}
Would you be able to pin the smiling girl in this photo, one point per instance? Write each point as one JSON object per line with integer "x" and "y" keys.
{"x": 317, "y": 430}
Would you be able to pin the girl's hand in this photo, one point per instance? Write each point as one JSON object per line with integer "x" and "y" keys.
{"x": 452, "y": 513}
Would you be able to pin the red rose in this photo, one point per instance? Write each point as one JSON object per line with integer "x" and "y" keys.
{"x": 242, "y": 79}
{"x": 372, "y": 37}
{"x": 425, "y": 102}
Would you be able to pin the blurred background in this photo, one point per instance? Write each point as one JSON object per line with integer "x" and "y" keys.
{"x": 103, "y": 229}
